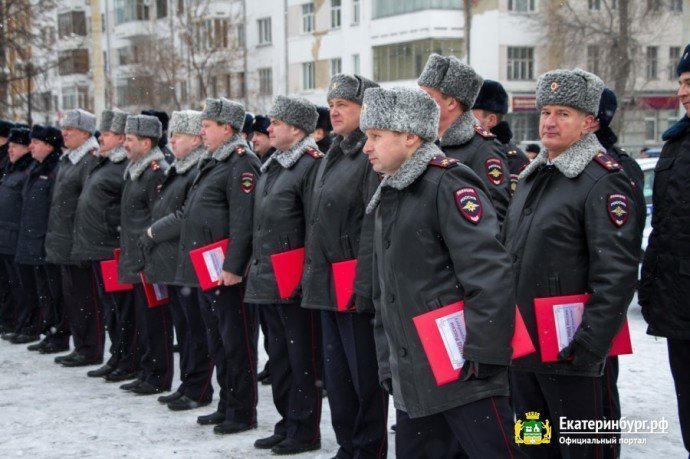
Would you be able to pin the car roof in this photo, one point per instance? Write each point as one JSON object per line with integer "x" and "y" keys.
{"x": 647, "y": 163}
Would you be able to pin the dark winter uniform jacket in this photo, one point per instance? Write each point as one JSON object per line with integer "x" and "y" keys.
{"x": 36, "y": 198}
{"x": 283, "y": 196}
{"x": 97, "y": 220}
{"x": 336, "y": 231}
{"x": 4, "y": 157}
{"x": 478, "y": 149}
{"x": 161, "y": 263}
{"x": 140, "y": 192}
{"x": 75, "y": 166}
{"x": 665, "y": 284}
{"x": 218, "y": 206}
{"x": 517, "y": 159}
{"x": 572, "y": 229}
{"x": 11, "y": 186}
{"x": 436, "y": 242}
{"x": 634, "y": 172}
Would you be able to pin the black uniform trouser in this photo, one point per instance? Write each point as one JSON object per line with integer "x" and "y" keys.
{"x": 359, "y": 406}
{"x": 108, "y": 316}
{"x": 679, "y": 361}
{"x": 8, "y": 306}
{"x": 196, "y": 368}
{"x": 264, "y": 331}
{"x": 612, "y": 403}
{"x": 30, "y": 316}
{"x": 15, "y": 287}
{"x": 128, "y": 349}
{"x": 154, "y": 327}
{"x": 81, "y": 300}
{"x": 55, "y": 320}
{"x": 481, "y": 429}
{"x": 294, "y": 350}
{"x": 232, "y": 333}
{"x": 554, "y": 396}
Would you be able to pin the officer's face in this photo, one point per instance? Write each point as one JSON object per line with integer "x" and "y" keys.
{"x": 561, "y": 126}
{"x": 74, "y": 138}
{"x": 344, "y": 116}
{"x": 684, "y": 90}
{"x": 183, "y": 144}
{"x": 109, "y": 141}
{"x": 214, "y": 134}
{"x": 387, "y": 150}
{"x": 261, "y": 143}
{"x": 39, "y": 149}
{"x": 282, "y": 135}
{"x": 136, "y": 146}
{"x": 486, "y": 119}
{"x": 16, "y": 151}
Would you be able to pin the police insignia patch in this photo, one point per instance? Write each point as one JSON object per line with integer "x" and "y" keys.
{"x": 513, "y": 182}
{"x": 247, "y": 182}
{"x": 494, "y": 170}
{"x": 469, "y": 204}
{"x": 618, "y": 209}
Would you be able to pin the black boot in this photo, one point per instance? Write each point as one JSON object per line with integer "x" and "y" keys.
{"x": 101, "y": 372}
{"x": 210, "y": 419}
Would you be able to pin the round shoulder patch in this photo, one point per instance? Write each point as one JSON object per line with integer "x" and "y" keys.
{"x": 469, "y": 205}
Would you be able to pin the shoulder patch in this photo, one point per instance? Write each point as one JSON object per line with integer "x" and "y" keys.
{"x": 607, "y": 162}
{"x": 618, "y": 209}
{"x": 443, "y": 162}
{"x": 155, "y": 165}
{"x": 314, "y": 153}
{"x": 513, "y": 182}
{"x": 494, "y": 171}
{"x": 240, "y": 150}
{"x": 247, "y": 182}
{"x": 484, "y": 132}
{"x": 469, "y": 205}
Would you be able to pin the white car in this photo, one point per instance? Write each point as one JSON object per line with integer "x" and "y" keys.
{"x": 647, "y": 165}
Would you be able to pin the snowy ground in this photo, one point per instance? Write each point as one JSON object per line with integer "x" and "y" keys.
{"x": 50, "y": 411}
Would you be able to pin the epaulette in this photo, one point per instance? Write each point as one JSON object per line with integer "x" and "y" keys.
{"x": 443, "y": 162}
{"x": 484, "y": 132}
{"x": 314, "y": 153}
{"x": 240, "y": 150}
{"x": 155, "y": 165}
{"x": 607, "y": 162}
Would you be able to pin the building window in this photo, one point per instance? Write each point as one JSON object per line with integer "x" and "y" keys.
{"x": 673, "y": 58}
{"x": 405, "y": 61}
{"x": 308, "y": 76}
{"x": 652, "y": 62}
{"x": 384, "y": 8}
{"x": 525, "y": 126}
{"x": 266, "y": 82}
{"x": 593, "y": 59}
{"x": 336, "y": 66}
{"x": 131, "y": 10}
{"x": 676, "y": 6}
{"x": 75, "y": 97}
{"x": 520, "y": 63}
{"x": 654, "y": 5}
{"x": 670, "y": 121}
{"x": 213, "y": 33}
{"x": 180, "y": 8}
{"x": 241, "y": 35}
{"x": 355, "y": 64}
{"x": 336, "y": 13}
{"x": 265, "y": 31}
{"x": 72, "y": 23}
{"x": 73, "y": 61}
{"x": 134, "y": 91}
{"x": 355, "y": 12}
{"x": 161, "y": 8}
{"x": 521, "y": 6}
{"x": 595, "y": 5}
{"x": 307, "y": 18}
{"x": 650, "y": 129}
{"x": 213, "y": 86}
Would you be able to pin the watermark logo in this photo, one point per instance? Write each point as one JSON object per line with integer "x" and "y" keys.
{"x": 532, "y": 430}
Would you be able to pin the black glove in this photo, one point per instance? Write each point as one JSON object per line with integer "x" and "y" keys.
{"x": 475, "y": 370}
{"x": 579, "y": 356}
{"x": 146, "y": 244}
{"x": 387, "y": 385}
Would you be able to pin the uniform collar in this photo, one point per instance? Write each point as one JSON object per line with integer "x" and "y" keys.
{"x": 78, "y": 153}
{"x": 572, "y": 161}
{"x": 117, "y": 154}
{"x": 136, "y": 168}
{"x": 182, "y": 165}
{"x": 289, "y": 158}
{"x": 461, "y": 131}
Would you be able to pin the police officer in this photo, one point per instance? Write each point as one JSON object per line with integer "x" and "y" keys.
{"x": 219, "y": 206}
{"x": 432, "y": 209}
{"x": 7, "y": 304}
{"x": 280, "y": 219}
{"x": 490, "y": 108}
{"x": 323, "y": 132}
{"x": 454, "y": 86}
{"x": 161, "y": 253}
{"x": 143, "y": 176}
{"x": 247, "y": 127}
{"x": 337, "y": 232}
{"x": 664, "y": 286}
{"x": 532, "y": 150}
{"x": 260, "y": 140}
{"x": 163, "y": 141}
{"x": 81, "y": 305}
{"x": 571, "y": 229}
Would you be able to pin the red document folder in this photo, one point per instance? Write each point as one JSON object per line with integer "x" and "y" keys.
{"x": 208, "y": 263}
{"x": 547, "y": 309}
{"x": 156, "y": 294}
{"x": 109, "y": 272}
{"x": 288, "y": 267}
{"x": 344, "y": 282}
{"x": 445, "y": 361}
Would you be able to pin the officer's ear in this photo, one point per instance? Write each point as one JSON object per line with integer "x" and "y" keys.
{"x": 590, "y": 124}
{"x": 412, "y": 140}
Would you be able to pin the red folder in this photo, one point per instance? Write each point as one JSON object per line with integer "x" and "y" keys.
{"x": 110, "y": 279}
{"x": 546, "y": 310}
{"x": 446, "y": 367}
{"x": 288, "y": 267}
{"x": 156, "y": 294}
{"x": 344, "y": 282}
{"x": 208, "y": 263}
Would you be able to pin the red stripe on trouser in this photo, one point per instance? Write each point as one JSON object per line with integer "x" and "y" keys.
{"x": 168, "y": 367}
{"x": 384, "y": 438}
{"x": 208, "y": 382}
{"x": 500, "y": 427}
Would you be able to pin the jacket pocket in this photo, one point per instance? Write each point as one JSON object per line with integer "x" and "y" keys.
{"x": 663, "y": 164}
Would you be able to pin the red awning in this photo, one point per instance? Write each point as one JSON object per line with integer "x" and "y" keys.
{"x": 524, "y": 104}
{"x": 657, "y": 102}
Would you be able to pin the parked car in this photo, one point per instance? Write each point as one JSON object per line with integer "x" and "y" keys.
{"x": 648, "y": 165}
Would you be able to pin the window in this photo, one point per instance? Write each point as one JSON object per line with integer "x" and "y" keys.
{"x": 134, "y": 91}
{"x": 673, "y": 58}
{"x": 213, "y": 86}
{"x": 355, "y": 64}
{"x": 180, "y": 8}
{"x": 670, "y": 121}
{"x": 676, "y": 6}
{"x": 595, "y": 5}
{"x": 355, "y": 12}
{"x": 72, "y": 23}
{"x": 520, "y": 63}
{"x": 654, "y": 5}
{"x": 213, "y": 33}
{"x": 593, "y": 59}
{"x": 385, "y": 8}
{"x": 75, "y": 97}
{"x": 131, "y": 10}
{"x": 650, "y": 129}
{"x": 336, "y": 66}
{"x": 266, "y": 82}
{"x": 131, "y": 55}
{"x": 308, "y": 76}
{"x": 161, "y": 8}
{"x": 307, "y": 18}
{"x": 405, "y": 61}
{"x": 265, "y": 31}
{"x": 652, "y": 62}
{"x": 525, "y": 126}
{"x": 237, "y": 87}
{"x": 521, "y": 6}
{"x": 73, "y": 61}
{"x": 336, "y": 13}
{"x": 241, "y": 35}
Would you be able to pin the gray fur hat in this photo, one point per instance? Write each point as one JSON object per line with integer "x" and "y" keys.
{"x": 225, "y": 111}
{"x": 572, "y": 88}
{"x": 79, "y": 119}
{"x": 349, "y": 87}
{"x": 402, "y": 110}
{"x": 453, "y": 78}
{"x": 297, "y": 111}
{"x": 185, "y": 122}
{"x": 113, "y": 120}
{"x": 144, "y": 126}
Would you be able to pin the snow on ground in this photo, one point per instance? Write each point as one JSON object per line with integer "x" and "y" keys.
{"x": 50, "y": 411}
